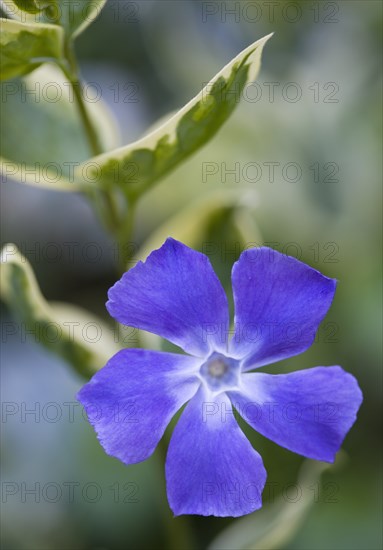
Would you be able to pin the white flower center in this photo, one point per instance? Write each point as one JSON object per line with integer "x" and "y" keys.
{"x": 217, "y": 368}
{"x": 220, "y": 373}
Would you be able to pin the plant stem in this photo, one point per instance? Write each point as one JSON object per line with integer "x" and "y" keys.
{"x": 70, "y": 69}
{"x": 109, "y": 211}
{"x": 124, "y": 236}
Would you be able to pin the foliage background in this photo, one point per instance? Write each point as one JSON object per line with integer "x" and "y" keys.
{"x": 165, "y": 51}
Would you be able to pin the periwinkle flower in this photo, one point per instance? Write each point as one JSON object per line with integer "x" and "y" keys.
{"x": 211, "y": 467}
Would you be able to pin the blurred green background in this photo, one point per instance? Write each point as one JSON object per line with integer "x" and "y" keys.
{"x": 315, "y": 119}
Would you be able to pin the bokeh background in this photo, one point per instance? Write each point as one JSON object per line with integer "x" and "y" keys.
{"x": 315, "y": 117}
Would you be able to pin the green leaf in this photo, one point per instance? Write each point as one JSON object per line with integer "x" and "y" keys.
{"x": 76, "y": 16}
{"x": 26, "y": 11}
{"x": 274, "y": 525}
{"x": 137, "y": 166}
{"x": 30, "y": 6}
{"x": 43, "y": 100}
{"x": 25, "y": 46}
{"x": 74, "y": 334}
{"x": 32, "y": 174}
{"x": 73, "y": 15}
{"x": 189, "y": 225}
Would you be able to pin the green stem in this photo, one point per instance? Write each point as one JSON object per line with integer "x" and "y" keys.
{"x": 70, "y": 69}
{"x": 124, "y": 236}
{"x": 106, "y": 204}
{"x": 105, "y": 208}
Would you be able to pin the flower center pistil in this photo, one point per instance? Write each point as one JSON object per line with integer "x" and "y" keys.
{"x": 220, "y": 373}
{"x": 217, "y": 368}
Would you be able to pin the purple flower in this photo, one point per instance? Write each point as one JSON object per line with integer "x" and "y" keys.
{"x": 211, "y": 468}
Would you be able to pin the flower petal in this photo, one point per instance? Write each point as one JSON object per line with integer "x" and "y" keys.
{"x": 133, "y": 398}
{"x": 309, "y": 412}
{"x": 174, "y": 294}
{"x": 279, "y": 304}
{"x": 211, "y": 467}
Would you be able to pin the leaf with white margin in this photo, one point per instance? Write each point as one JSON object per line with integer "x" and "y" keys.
{"x": 43, "y": 100}
{"x": 275, "y": 525}
{"x": 135, "y": 167}
{"x": 25, "y": 46}
{"x": 76, "y": 335}
{"x": 73, "y": 15}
